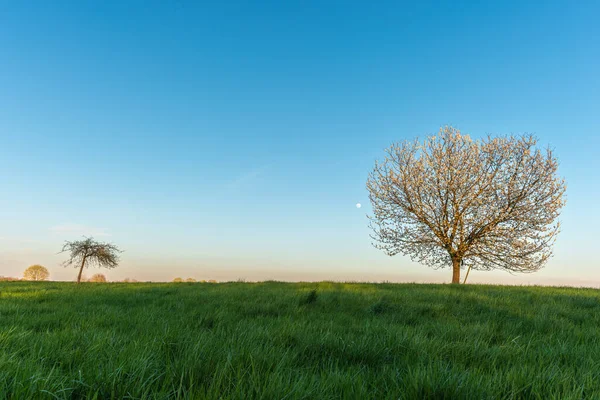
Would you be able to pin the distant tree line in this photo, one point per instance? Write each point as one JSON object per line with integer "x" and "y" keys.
{"x": 83, "y": 254}
{"x": 179, "y": 280}
{"x": 8, "y": 279}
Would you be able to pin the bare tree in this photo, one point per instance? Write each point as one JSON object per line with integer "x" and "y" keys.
{"x": 36, "y": 273}
{"x": 98, "y": 278}
{"x": 88, "y": 252}
{"x": 452, "y": 201}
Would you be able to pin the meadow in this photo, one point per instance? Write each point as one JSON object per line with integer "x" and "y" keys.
{"x": 277, "y": 340}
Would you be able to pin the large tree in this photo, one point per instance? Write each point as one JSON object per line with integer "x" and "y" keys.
{"x": 36, "y": 273}
{"x": 88, "y": 252}
{"x": 451, "y": 201}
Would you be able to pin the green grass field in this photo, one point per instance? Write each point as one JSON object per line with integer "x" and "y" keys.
{"x": 297, "y": 341}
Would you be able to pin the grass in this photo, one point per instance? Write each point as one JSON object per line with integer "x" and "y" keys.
{"x": 297, "y": 341}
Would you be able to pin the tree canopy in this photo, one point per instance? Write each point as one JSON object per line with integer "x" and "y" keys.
{"x": 89, "y": 252}
{"x": 453, "y": 201}
{"x": 36, "y": 273}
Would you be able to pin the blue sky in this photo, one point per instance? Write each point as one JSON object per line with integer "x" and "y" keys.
{"x": 225, "y": 141}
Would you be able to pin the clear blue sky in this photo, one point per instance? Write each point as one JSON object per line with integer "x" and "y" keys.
{"x": 233, "y": 139}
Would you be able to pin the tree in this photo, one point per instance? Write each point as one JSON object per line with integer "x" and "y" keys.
{"x": 177, "y": 280}
{"x": 453, "y": 201}
{"x": 36, "y": 273}
{"x": 86, "y": 252}
{"x": 98, "y": 278}
{"x": 190, "y": 280}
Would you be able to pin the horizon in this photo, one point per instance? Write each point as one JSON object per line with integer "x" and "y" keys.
{"x": 574, "y": 284}
{"x": 234, "y": 141}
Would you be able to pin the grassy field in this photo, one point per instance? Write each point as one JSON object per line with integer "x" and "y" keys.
{"x": 298, "y": 341}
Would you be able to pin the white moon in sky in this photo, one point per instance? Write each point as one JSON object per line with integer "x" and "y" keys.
{"x": 358, "y": 205}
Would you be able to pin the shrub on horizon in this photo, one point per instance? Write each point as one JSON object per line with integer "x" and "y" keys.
{"x": 97, "y": 278}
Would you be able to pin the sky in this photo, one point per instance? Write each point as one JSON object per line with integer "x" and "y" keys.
{"x": 232, "y": 140}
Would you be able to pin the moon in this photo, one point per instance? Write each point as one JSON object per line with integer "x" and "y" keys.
{"x": 358, "y": 205}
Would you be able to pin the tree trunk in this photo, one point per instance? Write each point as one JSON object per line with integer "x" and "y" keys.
{"x": 81, "y": 270}
{"x": 466, "y": 276}
{"x": 455, "y": 270}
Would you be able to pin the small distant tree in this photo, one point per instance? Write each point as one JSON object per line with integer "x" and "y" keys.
{"x": 36, "y": 273}
{"x": 177, "y": 280}
{"x": 98, "y": 278}
{"x": 190, "y": 280}
{"x": 88, "y": 252}
{"x": 450, "y": 201}
{"x": 212, "y": 281}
